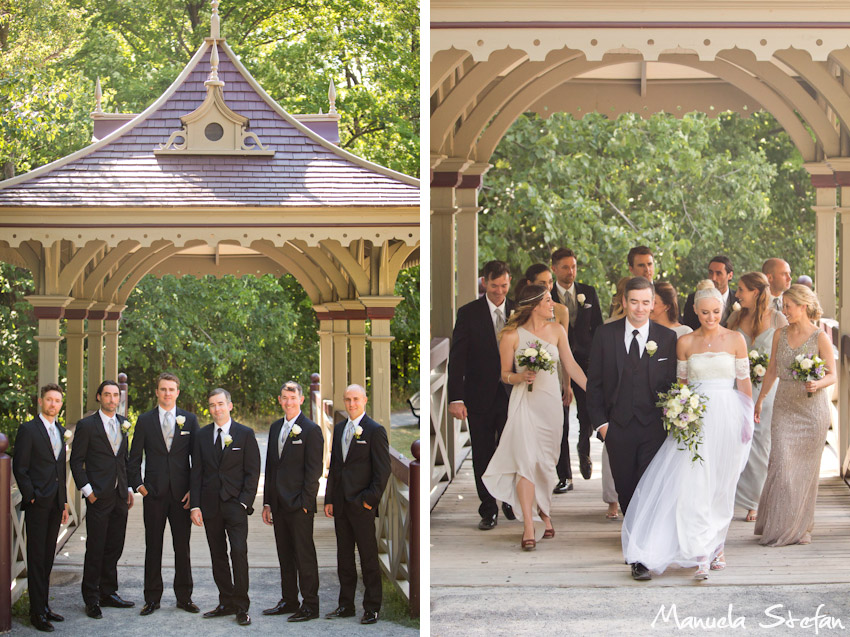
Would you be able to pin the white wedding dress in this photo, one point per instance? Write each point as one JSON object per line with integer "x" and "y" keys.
{"x": 681, "y": 510}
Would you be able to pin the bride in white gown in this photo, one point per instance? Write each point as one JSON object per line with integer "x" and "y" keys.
{"x": 680, "y": 512}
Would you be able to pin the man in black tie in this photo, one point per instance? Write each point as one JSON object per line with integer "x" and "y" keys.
{"x": 39, "y": 467}
{"x": 225, "y": 475}
{"x": 99, "y": 467}
{"x": 165, "y": 436}
{"x": 293, "y": 469}
{"x": 476, "y": 391}
{"x": 778, "y": 274}
{"x": 641, "y": 262}
{"x": 357, "y": 477}
{"x": 720, "y": 272}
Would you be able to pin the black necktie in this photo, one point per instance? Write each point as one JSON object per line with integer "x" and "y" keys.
{"x": 219, "y": 447}
{"x": 634, "y": 348}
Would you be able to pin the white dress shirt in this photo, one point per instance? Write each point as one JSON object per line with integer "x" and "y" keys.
{"x": 51, "y": 430}
{"x": 642, "y": 336}
{"x": 87, "y": 488}
{"x": 225, "y": 431}
{"x": 286, "y": 428}
{"x": 493, "y": 307}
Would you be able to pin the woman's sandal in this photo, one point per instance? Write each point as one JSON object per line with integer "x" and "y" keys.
{"x": 752, "y": 516}
{"x": 718, "y": 563}
{"x": 529, "y": 545}
{"x": 548, "y": 533}
{"x": 702, "y": 571}
{"x": 612, "y": 516}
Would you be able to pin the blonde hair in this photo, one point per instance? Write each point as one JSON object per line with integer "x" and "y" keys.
{"x": 758, "y": 282}
{"x": 616, "y": 310}
{"x": 801, "y": 295}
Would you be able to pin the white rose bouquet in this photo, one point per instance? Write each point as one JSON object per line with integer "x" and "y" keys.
{"x": 805, "y": 369}
{"x": 683, "y": 408}
{"x": 758, "y": 366}
{"x": 535, "y": 358}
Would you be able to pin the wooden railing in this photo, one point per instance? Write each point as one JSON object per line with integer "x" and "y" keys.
{"x": 449, "y": 437}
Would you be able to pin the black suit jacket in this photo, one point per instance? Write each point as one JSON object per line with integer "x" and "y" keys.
{"x": 607, "y": 357}
{"x": 363, "y": 475}
{"x": 165, "y": 471}
{"x": 588, "y": 318}
{"x": 39, "y": 475}
{"x": 237, "y": 476}
{"x": 92, "y": 459}
{"x": 292, "y": 479}
{"x": 474, "y": 367}
{"x": 692, "y": 320}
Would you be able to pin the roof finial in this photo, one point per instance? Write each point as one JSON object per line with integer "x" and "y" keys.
{"x": 332, "y": 98}
{"x": 98, "y": 97}
{"x": 213, "y": 80}
{"x": 215, "y": 29}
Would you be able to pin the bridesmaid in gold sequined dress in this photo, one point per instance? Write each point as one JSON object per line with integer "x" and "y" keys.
{"x": 786, "y": 510}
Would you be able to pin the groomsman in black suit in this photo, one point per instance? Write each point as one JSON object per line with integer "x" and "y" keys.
{"x": 720, "y": 272}
{"x": 293, "y": 469}
{"x": 39, "y": 467}
{"x": 225, "y": 475}
{"x": 778, "y": 274}
{"x": 164, "y": 435}
{"x": 476, "y": 391}
{"x": 357, "y": 477}
{"x": 99, "y": 467}
{"x": 641, "y": 263}
{"x": 631, "y": 360}
{"x": 585, "y": 317}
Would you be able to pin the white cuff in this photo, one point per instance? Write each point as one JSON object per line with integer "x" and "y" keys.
{"x": 194, "y": 509}
{"x": 244, "y": 506}
{"x": 86, "y": 490}
{"x": 130, "y": 490}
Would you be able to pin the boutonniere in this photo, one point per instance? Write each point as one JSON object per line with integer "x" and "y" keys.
{"x": 295, "y": 431}
{"x": 125, "y": 426}
{"x": 68, "y": 436}
{"x": 358, "y": 431}
{"x": 736, "y": 307}
{"x": 581, "y": 298}
{"x": 228, "y": 440}
{"x": 181, "y": 420}
{"x": 651, "y": 348}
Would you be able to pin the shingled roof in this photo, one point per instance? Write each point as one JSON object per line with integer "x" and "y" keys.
{"x": 122, "y": 170}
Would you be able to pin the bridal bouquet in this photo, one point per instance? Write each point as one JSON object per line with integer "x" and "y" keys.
{"x": 758, "y": 366}
{"x": 535, "y": 358}
{"x": 805, "y": 369}
{"x": 683, "y": 408}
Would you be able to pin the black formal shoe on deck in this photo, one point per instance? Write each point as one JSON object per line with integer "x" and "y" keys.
{"x": 149, "y": 608}
{"x": 303, "y": 615}
{"x": 39, "y": 622}
{"x": 585, "y": 464}
{"x": 53, "y": 617}
{"x": 189, "y": 607}
{"x": 487, "y": 523}
{"x": 93, "y": 611}
{"x": 508, "y": 511}
{"x": 282, "y": 608}
{"x": 369, "y": 617}
{"x": 342, "y": 611}
{"x": 640, "y": 572}
{"x": 220, "y": 611}
{"x": 243, "y": 618}
{"x": 115, "y": 601}
{"x": 563, "y": 486}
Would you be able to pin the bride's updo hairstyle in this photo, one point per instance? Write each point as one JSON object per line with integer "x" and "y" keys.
{"x": 801, "y": 295}
{"x": 754, "y": 281}
{"x": 528, "y": 278}
{"x": 528, "y": 299}
{"x": 706, "y": 290}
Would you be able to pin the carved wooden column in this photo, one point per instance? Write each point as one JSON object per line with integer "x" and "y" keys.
{"x": 339, "y": 335}
{"x": 75, "y": 336}
{"x": 380, "y": 310}
{"x": 48, "y": 309}
{"x": 466, "y": 198}
{"x": 356, "y": 341}
{"x": 443, "y": 210}
{"x": 326, "y": 350}
{"x": 825, "y": 234}
{"x": 843, "y": 317}
{"x": 95, "y": 332}
{"x": 113, "y": 317}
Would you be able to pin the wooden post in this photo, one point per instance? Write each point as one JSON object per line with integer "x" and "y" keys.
{"x": 123, "y": 406}
{"x": 414, "y": 490}
{"x": 5, "y": 537}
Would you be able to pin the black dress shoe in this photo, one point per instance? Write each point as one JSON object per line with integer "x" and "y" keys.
{"x": 303, "y": 615}
{"x": 115, "y": 601}
{"x": 149, "y": 608}
{"x": 282, "y": 608}
{"x": 640, "y": 572}
{"x": 342, "y": 611}
{"x": 487, "y": 523}
{"x": 369, "y": 617}
{"x": 93, "y": 611}
{"x": 220, "y": 611}
{"x": 39, "y": 622}
{"x": 508, "y": 511}
{"x": 563, "y": 486}
{"x": 189, "y": 607}
{"x": 585, "y": 464}
{"x": 53, "y": 617}
{"x": 243, "y": 618}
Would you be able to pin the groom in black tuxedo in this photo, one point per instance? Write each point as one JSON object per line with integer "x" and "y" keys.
{"x": 631, "y": 361}
{"x": 476, "y": 391}
{"x": 165, "y": 435}
{"x": 720, "y": 272}
{"x": 585, "y": 317}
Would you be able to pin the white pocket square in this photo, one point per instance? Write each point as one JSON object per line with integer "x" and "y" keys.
{"x": 185, "y": 433}
{"x": 236, "y": 449}
{"x": 361, "y": 442}
{"x": 297, "y": 442}
{"x": 661, "y": 359}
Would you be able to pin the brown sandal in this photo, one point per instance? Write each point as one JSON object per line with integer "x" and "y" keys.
{"x": 548, "y": 533}
{"x": 529, "y": 545}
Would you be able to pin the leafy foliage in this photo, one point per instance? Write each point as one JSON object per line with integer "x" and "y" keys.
{"x": 404, "y": 350}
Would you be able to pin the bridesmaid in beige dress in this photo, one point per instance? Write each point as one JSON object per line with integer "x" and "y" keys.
{"x": 786, "y": 510}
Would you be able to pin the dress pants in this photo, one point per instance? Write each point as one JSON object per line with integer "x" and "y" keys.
{"x": 229, "y": 522}
{"x": 42, "y": 526}
{"x": 563, "y": 467}
{"x": 106, "y": 525}
{"x": 630, "y": 450}
{"x": 158, "y": 509}
{"x": 485, "y": 429}
{"x": 585, "y": 428}
{"x": 296, "y": 552}
{"x": 355, "y": 524}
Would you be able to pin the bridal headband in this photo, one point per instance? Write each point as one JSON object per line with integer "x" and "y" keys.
{"x": 708, "y": 293}
{"x": 534, "y": 299}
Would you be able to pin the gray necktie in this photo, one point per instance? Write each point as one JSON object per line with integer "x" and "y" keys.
{"x": 54, "y": 440}
{"x": 284, "y": 432}
{"x": 572, "y": 306}
{"x": 114, "y": 436}
{"x": 168, "y": 429}
{"x": 500, "y": 320}
{"x": 777, "y": 303}
{"x": 347, "y": 435}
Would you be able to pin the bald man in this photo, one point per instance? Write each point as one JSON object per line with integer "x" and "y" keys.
{"x": 778, "y": 274}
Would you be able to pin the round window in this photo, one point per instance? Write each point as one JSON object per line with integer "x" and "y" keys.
{"x": 214, "y": 132}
